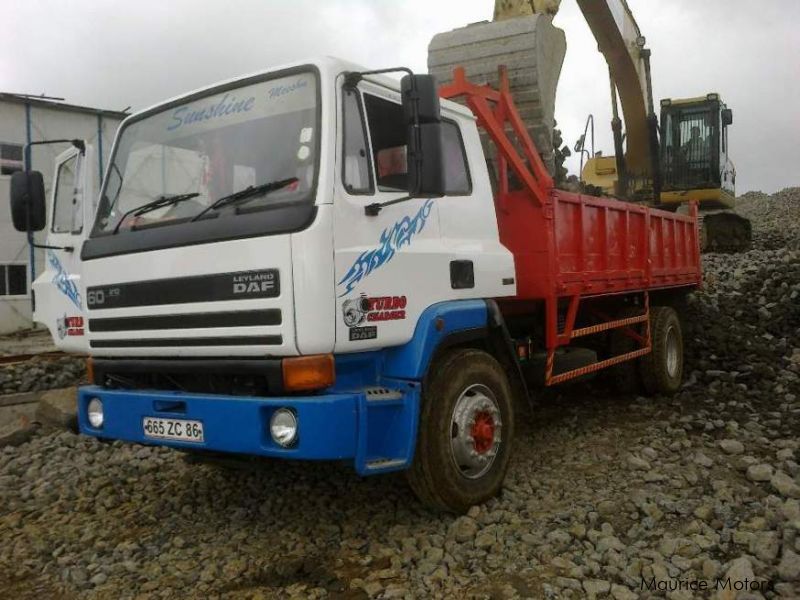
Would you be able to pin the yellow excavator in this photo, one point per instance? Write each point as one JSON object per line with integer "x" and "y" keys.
{"x": 665, "y": 162}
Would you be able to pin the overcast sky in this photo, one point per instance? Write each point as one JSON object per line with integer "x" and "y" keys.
{"x": 113, "y": 54}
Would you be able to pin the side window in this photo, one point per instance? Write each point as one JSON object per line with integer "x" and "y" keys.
{"x": 388, "y": 136}
{"x": 456, "y": 172}
{"x": 67, "y": 210}
{"x": 13, "y": 280}
{"x": 10, "y": 158}
{"x": 356, "y": 173}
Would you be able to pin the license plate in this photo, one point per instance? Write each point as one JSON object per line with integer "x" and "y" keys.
{"x": 181, "y": 430}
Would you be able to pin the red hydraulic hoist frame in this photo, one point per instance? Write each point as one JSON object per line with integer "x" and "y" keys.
{"x": 495, "y": 112}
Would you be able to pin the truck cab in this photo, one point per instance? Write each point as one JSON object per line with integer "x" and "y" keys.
{"x": 292, "y": 265}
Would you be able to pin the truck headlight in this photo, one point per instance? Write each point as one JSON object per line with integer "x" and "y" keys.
{"x": 94, "y": 410}
{"x": 283, "y": 427}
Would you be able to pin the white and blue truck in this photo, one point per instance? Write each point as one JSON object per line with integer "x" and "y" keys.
{"x": 306, "y": 263}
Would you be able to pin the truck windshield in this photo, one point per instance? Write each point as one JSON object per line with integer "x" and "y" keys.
{"x": 209, "y": 148}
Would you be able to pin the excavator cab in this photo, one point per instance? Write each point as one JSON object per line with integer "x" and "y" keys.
{"x": 694, "y": 152}
{"x": 695, "y": 166}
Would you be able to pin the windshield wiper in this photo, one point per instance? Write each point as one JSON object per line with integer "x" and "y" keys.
{"x": 248, "y": 192}
{"x": 159, "y": 202}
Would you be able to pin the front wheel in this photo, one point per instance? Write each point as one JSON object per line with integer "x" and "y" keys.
{"x": 465, "y": 431}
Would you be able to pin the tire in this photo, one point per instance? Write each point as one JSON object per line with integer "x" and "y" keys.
{"x": 662, "y": 369}
{"x": 475, "y": 383}
{"x": 625, "y": 376}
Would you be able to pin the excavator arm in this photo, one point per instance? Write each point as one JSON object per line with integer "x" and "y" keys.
{"x": 621, "y": 43}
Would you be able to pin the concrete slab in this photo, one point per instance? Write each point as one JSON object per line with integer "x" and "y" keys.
{"x": 35, "y": 341}
{"x": 21, "y": 398}
{"x": 59, "y": 408}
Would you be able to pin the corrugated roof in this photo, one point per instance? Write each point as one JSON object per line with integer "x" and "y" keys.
{"x": 45, "y": 102}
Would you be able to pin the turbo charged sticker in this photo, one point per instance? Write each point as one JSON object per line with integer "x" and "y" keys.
{"x": 366, "y": 309}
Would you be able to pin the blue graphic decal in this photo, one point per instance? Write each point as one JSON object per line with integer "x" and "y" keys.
{"x": 62, "y": 281}
{"x": 392, "y": 239}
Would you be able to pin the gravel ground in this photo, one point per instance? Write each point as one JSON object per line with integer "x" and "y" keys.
{"x": 603, "y": 490}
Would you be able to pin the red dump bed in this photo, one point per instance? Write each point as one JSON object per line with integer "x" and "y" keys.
{"x": 577, "y": 244}
{"x": 566, "y": 244}
{"x": 570, "y": 247}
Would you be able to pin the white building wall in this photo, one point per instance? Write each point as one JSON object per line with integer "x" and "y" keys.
{"x": 15, "y": 311}
{"x": 46, "y": 123}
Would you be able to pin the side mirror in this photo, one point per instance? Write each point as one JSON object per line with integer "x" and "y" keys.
{"x": 422, "y": 114}
{"x": 727, "y": 117}
{"x": 420, "y": 97}
{"x": 28, "y": 210}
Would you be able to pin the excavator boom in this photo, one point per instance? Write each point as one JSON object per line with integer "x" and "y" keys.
{"x": 622, "y": 44}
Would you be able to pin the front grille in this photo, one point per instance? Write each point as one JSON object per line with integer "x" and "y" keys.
{"x": 261, "y": 340}
{"x": 241, "y": 318}
{"x": 235, "y": 377}
{"x": 239, "y": 285}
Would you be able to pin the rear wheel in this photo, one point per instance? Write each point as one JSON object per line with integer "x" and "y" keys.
{"x": 662, "y": 369}
{"x": 465, "y": 430}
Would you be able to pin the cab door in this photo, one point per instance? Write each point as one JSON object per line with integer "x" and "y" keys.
{"x": 727, "y": 170}
{"x": 59, "y": 295}
{"x": 388, "y": 263}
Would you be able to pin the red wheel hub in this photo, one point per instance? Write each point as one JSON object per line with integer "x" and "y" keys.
{"x": 482, "y": 432}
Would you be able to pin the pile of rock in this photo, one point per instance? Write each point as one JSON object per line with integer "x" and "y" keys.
{"x": 775, "y": 218}
{"x": 744, "y": 349}
{"x": 42, "y": 374}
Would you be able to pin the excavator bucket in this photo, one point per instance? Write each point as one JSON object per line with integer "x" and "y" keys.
{"x": 725, "y": 231}
{"x": 533, "y": 51}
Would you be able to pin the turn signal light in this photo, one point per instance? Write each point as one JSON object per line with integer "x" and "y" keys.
{"x": 308, "y": 372}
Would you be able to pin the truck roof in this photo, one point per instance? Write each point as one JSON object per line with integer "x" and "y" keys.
{"x": 326, "y": 64}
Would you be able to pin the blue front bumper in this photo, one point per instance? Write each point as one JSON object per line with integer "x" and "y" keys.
{"x": 376, "y": 436}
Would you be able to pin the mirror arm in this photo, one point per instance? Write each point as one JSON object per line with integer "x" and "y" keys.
{"x": 352, "y": 78}
{"x": 372, "y": 210}
{"x": 79, "y": 144}
{"x": 47, "y": 247}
